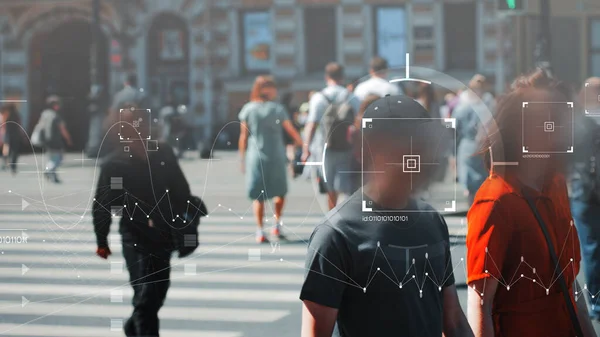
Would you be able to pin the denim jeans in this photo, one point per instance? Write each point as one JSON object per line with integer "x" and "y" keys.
{"x": 587, "y": 221}
{"x": 55, "y": 158}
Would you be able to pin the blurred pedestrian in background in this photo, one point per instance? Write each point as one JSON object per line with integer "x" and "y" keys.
{"x": 377, "y": 84}
{"x": 470, "y": 166}
{"x": 262, "y": 151}
{"x": 165, "y": 117}
{"x": 51, "y": 133}
{"x": 585, "y": 187}
{"x": 447, "y": 107}
{"x": 12, "y": 136}
{"x": 425, "y": 95}
{"x": 520, "y": 223}
{"x": 330, "y": 121}
{"x": 130, "y": 94}
{"x": 290, "y": 149}
{"x": 303, "y": 110}
{"x": 146, "y": 224}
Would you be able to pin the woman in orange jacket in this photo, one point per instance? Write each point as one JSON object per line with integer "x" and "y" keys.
{"x": 514, "y": 284}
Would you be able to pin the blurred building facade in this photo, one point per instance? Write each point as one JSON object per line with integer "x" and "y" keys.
{"x": 45, "y": 46}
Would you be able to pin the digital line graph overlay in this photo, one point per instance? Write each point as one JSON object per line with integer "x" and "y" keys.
{"x": 534, "y": 277}
{"x": 412, "y": 162}
{"x": 417, "y": 269}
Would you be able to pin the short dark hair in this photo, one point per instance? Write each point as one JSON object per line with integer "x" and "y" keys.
{"x": 334, "y": 71}
{"x": 378, "y": 64}
{"x": 132, "y": 80}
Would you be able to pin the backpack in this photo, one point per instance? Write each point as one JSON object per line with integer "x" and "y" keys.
{"x": 184, "y": 233}
{"x": 38, "y": 137}
{"x": 337, "y": 122}
{"x": 44, "y": 132}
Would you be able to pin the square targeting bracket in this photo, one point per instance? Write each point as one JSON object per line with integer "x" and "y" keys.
{"x": 548, "y": 127}
{"x": 411, "y": 164}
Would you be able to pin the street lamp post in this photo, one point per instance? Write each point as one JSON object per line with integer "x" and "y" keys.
{"x": 96, "y": 90}
{"x": 206, "y": 151}
{"x": 543, "y": 48}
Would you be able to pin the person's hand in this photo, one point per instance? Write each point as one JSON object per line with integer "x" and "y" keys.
{"x": 103, "y": 252}
{"x": 305, "y": 154}
{"x": 243, "y": 167}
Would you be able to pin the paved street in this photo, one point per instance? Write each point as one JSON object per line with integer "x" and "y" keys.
{"x": 54, "y": 285}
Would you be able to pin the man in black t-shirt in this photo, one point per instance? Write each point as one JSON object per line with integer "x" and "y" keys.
{"x": 379, "y": 264}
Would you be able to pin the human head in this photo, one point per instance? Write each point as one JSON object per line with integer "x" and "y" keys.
{"x": 378, "y": 67}
{"x": 264, "y": 89}
{"x": 514, "y": 124}
{"x": 426, "y": 93}
{"x": 477, "y": 84}
{"x": 399, "y": 129}
{"x": 132, "y": 122}
{"x": 131, "y": 80}
{"x": 53, "y": 102}
{"x": 334, "y": 72}
{"x": 9, "y": 111}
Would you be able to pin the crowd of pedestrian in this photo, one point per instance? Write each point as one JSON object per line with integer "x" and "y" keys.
{"x": 391, "y": 272}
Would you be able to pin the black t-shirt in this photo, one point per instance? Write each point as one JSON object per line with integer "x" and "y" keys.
{"x": 385, "y": 272}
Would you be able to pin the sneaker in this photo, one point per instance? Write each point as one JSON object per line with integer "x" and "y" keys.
{"x": 260, "y": 237}
{"x": 276, "y": 232}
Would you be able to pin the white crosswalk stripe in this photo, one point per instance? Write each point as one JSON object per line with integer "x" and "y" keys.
{"x": 54, "y": 285}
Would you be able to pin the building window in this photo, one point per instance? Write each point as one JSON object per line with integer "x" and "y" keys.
{"x": 390, "y": 35}
{"x": 320, "y": 31}
{"x": 460, "y": 35}
{"x": 168, "y": 60}
{"x": 257, "y": 40}
{"x": 595, "y": 46}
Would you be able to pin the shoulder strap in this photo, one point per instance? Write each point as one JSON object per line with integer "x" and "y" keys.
{"x": 330, "y": 101}
{"x": 561, "y": 279}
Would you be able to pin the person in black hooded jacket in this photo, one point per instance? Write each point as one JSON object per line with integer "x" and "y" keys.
{"x": 147, "y": 188}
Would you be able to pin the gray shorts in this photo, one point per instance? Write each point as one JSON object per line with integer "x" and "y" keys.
{"x": 338, "y": 175}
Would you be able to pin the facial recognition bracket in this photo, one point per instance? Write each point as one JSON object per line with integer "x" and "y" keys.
{"x": 411, "y": 164}
{"x": 549, "y": 127}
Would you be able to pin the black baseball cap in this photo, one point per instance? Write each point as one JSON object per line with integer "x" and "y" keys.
{"x": 396, "y": 107}
{"x": 395, "y": 116}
